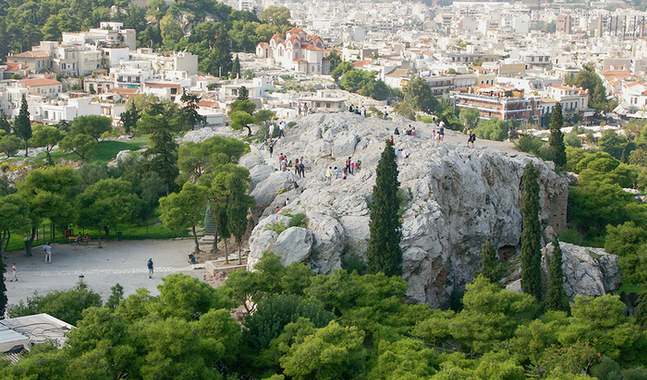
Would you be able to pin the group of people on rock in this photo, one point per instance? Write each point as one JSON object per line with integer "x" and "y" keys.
{"x": 298, "y": 165}
{"x": 357, "y": 110}
{"x": 303, "y": 109}
{"x": 349, "y": 169}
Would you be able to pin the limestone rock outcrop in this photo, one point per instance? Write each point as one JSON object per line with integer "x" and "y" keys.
{"x": 454, "y": 198}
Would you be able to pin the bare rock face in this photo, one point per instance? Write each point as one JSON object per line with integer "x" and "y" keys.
{"x": 587, "y": 271}
{"x": 454, "y": 198}
{"x": 293, "y": 245}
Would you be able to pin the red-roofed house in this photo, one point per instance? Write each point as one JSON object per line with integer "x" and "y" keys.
{"x": 47, "y": 87}
{"x": 299, "y": 52}
{"x": 36, "y": 61}
{"x": 573, "y": 99}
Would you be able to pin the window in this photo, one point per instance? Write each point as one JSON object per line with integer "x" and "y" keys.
{"x": 174, "y": 91}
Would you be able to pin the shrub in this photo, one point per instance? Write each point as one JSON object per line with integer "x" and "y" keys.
{"x": 299, "y": 220}
{"x": 277, "y": 227}
{"x": 528, "y": 144}
{"x": 572, "y": 236}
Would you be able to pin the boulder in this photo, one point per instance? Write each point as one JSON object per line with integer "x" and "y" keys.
{"x": 587, "y": 271}
{"x": 329, "y": 237}
{"x": 263, "y": 237}
{"x": 265, "y": 191}
{"x": 251, "y": 160}
{"x": 259, "y": 174}
{"x": 293, "y": 245}
{"x": 344, "y": 145}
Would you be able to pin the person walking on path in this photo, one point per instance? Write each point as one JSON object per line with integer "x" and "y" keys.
{"x": 329, "y": 175}
{"x": 441, "y": 132}
{"x": 271, "y": 130}
{"x": 48, "y": 252}
{"x": 13, "y": 273}
{"x": 348, "y": 166}
{"x": 149, "y": 264}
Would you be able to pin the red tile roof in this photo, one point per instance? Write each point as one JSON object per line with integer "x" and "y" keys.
{"x": 35, "y": 82}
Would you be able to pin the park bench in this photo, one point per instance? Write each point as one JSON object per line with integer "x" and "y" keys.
{"x": 79, "y": 239}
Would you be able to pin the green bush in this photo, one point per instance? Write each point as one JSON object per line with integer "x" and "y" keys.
{"x": 277, "y": 227}
{"x": 299, "y": 220}
{"x": 572, "y": 236}
{"x": 528, "y": 144}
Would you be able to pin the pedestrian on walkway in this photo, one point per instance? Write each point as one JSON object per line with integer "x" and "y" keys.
{"x": 13, "y": 273}
{"x": 149, "y": 264}
{"x": 48, "y": 252}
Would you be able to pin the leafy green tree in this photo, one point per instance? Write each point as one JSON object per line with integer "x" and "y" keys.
{"x": 418, "y": 93}
{"x": 46, "y": 136}
{"x": 384, "y": 253}
{"x": 106, "y": 204}
{"x": 66, "y": 305}
{"x": 531, "y": 234}
{"x": 611, "y": 143}
{"x": 4, "y": 123}
{"x": 332, "y": 352}
{"x": 185, "y": 209}
{"x": 556, "y": 140}
{"x": 469, "y": 116}
{"x": 625, "y": 239}
{"x": 171, "y": 31}
{"x": 277, "y": 16}
{"x": 197, "y": 159}
{"x": 240, "y": 120}
{"x": 81, "y": 145}
{"x": 116, "y": 296}
{"x": 9, "y": 145}
{"x": 235, "y": 68}
{"x": 335, "y": 59}
{"x": 556, "y": 296}
{"x": 493, "y": 129}
{"x": 341, "y": 69}
{"x": 49, "y": 195}
{"x": 22, "y": 125}
{"x": 406, "y": 358}
{"x": 187, "y": 298}
{"x": 15, "y": 217}
{"x": 91, "y": 125}
{"x": 489, "y": 263}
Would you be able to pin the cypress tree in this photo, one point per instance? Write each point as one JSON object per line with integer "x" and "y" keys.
{"x": 556, "y": 140}
{"x": 22, "y": 125}
{"x": 489, "y": 263}
{"x": 531, "y": 234}
{"x": 235, "y": 68}
{"x": 556, "y": 297}
{"x": 384, "y": 253}
{"x": 641, "y": 310}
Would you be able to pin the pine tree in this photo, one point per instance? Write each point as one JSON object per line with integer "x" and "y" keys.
{"x": 556, "y": 298}
{"x": 22, "y": 125}
{"x": 384, "y": 253}
{"x": 235, "y": 68}
{"x": 489, "y": 263}
{"x": 556, "y": 140}
{"x": 531, "y": 234}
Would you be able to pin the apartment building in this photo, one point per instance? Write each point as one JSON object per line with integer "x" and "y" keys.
{"x": 505, "y": 103}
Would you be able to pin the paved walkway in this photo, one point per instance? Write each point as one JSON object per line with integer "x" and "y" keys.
{"x": 117, "y": 262}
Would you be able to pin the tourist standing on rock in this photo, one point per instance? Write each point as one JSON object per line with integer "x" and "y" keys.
{"x": 471, "y": 139}
{"x": 434, "y": 137}
{"x": 271, "y": 130}
{"x": 281, "y": 158}
{"x": 305, "y": 109}
{"x": 352, "y": 168}
{"x": 149, "y": 264}
{"x": 329, "y": 175}
{"x": 13, "y": 273}
{"x": 336, "y": 172}
{"x": 469, "y": 136}
{"x": 282, "y": 128}
{"x": 299, "y": 109}
{"x": 358, "y": 166}
{"x": 392, "y": 139}
{"x": 284, "y": 165}
{"x": 48, "y": 253}
{"x": 303, "y": 167}
{"x": 441, "y": 132}
{"x": 386, "y": 114}
{"x": 348, "y": 165}
{"x": 351, "y": 109}
{"x": 271, "y": 148}
{"x": 296, "y": 167}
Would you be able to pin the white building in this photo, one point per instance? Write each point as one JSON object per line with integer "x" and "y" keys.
{"x": 299, "y": 52}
